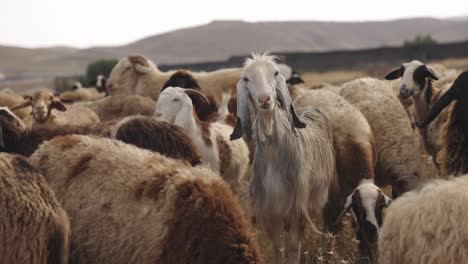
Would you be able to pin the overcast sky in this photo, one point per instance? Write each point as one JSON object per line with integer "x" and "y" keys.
{"x": 84, "y": 23}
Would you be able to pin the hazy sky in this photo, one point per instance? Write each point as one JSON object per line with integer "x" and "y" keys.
{"x": 84, "y": 23}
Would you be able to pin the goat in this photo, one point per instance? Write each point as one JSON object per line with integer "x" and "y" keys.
{"x": 294, "y": 160}
{"x": 229, "y": 159}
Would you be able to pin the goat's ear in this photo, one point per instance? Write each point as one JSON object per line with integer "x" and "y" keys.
{"x": 243, "y": 113}
{"x": 140, "y": 64}
{"x": 283, "y": 95}
{"x": 346, "y": 206}
{"x": 57, "y": 104}
{"x": 395, "y": 74}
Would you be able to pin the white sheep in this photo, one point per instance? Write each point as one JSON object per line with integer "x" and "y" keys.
{"x": 229, "y": 159}
{"x": 138, "y": 75}
{"x": 399, "y": 161}
{"x": 427, "y": 225}
{"x": 43, "y": 105}
{"x": 294, "y": 161}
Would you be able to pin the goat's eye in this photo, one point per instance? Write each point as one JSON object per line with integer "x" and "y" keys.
{"x": 276, "y": 73}
{"x": 245, "y": 79}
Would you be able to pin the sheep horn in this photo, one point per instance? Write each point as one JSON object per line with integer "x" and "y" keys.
{"x": 438, "y": 106}
{"x": 197, "y": 93}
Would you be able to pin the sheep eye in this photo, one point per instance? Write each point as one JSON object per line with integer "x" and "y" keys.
{"x": 276, "y": 73}
{"x": 245, "y": 79}
{"x": 176, "y": 100}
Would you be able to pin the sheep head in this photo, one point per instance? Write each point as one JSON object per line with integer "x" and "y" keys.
{"x": 42, "y": 103}
{"x": 175, "y": 105}
{"x": 124, "y": 77}
{"x": 414, "y": 76}
{"x": 367, "y": 202}
{"x": 266, "y": 88}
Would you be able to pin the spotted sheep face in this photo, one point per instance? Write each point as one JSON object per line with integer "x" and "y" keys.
{"x": 414, "y": 76}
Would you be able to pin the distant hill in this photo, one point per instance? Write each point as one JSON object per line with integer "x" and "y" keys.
{"x": 220, "y": 39}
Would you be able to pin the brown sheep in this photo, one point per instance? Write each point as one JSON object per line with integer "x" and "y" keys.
{"x": 129, "y": 205}
{"x": 159, "y": 136}
{"x": 34, "y": 227}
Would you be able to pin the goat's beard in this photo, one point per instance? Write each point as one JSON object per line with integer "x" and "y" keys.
{"x": 265, "y": 124}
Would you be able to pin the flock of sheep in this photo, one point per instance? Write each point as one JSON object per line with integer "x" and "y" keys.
{"x": 151, "y": 166}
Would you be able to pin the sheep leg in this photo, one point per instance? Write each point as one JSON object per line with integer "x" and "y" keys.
{"x": 293, "y": 238}
{"x": 273, "y": 229}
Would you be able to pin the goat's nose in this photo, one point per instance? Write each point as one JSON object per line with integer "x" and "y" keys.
{"x": 264, "y": 98}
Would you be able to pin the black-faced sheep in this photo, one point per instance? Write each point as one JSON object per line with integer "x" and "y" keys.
{"x": 34, "y": 228}
{"x": 129, "y": 205}
{"x": 294, "y": 161}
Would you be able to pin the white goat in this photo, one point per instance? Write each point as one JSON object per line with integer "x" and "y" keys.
{"x": 229, "y": 159}
{"x": 292, "y": 168}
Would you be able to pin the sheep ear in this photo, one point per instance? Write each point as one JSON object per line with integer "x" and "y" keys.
{"x": 346, "y": 207}
{"x": 57, "y": 104}
{"x": 140, "y": 64}
{"x": 431, "y": 74}
{"x": 243, "y": 113}
{"x": 283, "y": 95}
{"x": 395, "y": 74}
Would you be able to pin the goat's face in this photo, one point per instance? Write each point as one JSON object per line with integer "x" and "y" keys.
{"x": 42, "y": 103}
{"x": 170, "y": 103}
{"x": 261, "y": 80}
{"x": 367, "y": 202}
{"x": 413, "y": 78}
{"x": 124, "y": 76}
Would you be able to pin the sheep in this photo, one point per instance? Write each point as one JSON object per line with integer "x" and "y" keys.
{"x": 101, "y": 81}
{"x": 43, "y": 102}
{"x": 427, "y": 225}
{"x": 138, "y": 75}
{"x": 185, "y": 79}
{"x": 399, "y": 160}
{"x": 355, "y": 161}
{"x": 453, "y": 155}
{"x": 294, "y": 161}
{"x": 129, "y": 205}
{"x": 119, "y": 106}
{"x": 416, "y": 84}
{"x": 229, "y": 159}
{"x": 12, "y": 100}
{"x": 79, "y": 93}
{"x": 34, "y": 228}
{"x": 156, "y": 135}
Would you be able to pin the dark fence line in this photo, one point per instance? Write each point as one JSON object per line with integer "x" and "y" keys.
{"x": 345, "y": 60}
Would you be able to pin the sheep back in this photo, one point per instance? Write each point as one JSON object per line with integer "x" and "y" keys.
{"x": 130, "y": 205}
